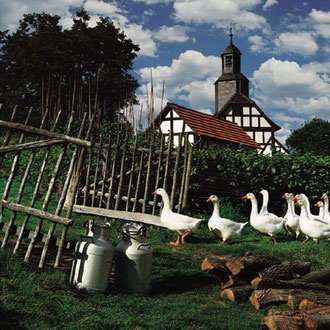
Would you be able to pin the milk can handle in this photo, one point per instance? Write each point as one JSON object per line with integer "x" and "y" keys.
{"x": 88, "y": 239}
{"x": 145, "y": 245}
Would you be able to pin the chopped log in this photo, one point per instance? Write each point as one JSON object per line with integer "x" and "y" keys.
{"x": 249, "y": 266}
{"x": 306, "y": 305}
{"x": 286, "y": 270}
{"x": 283, "y": 320}
{"x": 233, "y": 282}
{"x": 261, "y": 298}
{"x": 260, "y": 283}
{"x": 237, "y": 294}
{"x": 321, "y": 276}
{"x": 216, "y": 265}
{"x": 322, "y": 310}
{"x": 297, "y": 296}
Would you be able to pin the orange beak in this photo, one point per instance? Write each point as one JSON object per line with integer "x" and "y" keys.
{"x": 316, "y": 204}
{"x": 284, "y": 196}
{"x": 154, "y": 192}
{"x": 259, "y": 192}
{"x": 296, "y": 203}
{"x": 295, "y": 198}
{"x": 322, "y": 196}
{"x": 209, "y": 199}
{"x": 245, "y": 197}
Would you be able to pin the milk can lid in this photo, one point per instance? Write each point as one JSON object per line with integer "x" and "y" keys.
{"x": 134, "y": 229}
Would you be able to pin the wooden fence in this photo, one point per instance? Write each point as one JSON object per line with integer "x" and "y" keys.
{"x": 114, "y": 178}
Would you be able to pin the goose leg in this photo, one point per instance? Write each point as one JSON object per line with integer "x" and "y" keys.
{"x": 274, "y": 240}
{"x": 177, "y": 241}
{"x": 183, "y": 236}
{"x": 307, "y": 238}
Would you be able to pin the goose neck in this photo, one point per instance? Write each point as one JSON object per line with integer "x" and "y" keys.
{"x": 254, "y": 209}
{"x": 215, "y": 209}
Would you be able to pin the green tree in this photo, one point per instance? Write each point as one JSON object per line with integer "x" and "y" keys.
{"x": 41, "y": 57}
{"x": 313, "y": 137}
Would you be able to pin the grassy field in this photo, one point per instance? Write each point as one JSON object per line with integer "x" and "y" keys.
{"x": 182, "y": 296}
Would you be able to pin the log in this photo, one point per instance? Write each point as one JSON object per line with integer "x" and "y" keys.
{"x": 249, "y": 266}
{"x": 284, "y": 320}
{"x": 321, "y": 276}
{"x": 306, "y": 305}
{"x": 233, "y": 282}
{"x": 297, "y": 296}
{"x": 216, "y": 265}
{"x": 286, "y": 270}
{"x": 237, "y": 294}
{"x": 260, "y": 283}
{"x": 261, "y": 298}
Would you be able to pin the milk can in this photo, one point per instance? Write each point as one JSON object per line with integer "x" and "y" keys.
{"x": 93, "y": 258}
{"x": 133, "y": 259}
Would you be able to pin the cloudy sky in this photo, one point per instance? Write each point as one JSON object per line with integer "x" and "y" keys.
{"x": 285, "y": 47}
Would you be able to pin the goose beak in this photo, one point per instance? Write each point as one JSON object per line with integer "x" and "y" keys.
{"x": 260, "y": 192}
{"x": 296, "y": 203}
{"x": 245, "y": 197}
{"x": 154, "y": 192}
{"x": 295, "y": 198}
{"x": 316, "y": 204}
{"x": 284, "y": 196}
{"x": 209, "y": 199}
{"x": 322, "y": 196}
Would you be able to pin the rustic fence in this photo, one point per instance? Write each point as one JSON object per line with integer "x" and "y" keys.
{"x": 114, "y": 178}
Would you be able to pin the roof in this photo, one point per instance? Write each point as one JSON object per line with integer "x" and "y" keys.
{"x": 239, "y": 98}
{"x": 210, "y": 126}
{"x": 231, "y": 49}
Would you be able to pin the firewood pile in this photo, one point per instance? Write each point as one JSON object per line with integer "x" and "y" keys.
{"x": 265, "y": 280}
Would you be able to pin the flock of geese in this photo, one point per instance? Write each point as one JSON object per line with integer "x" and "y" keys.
{"x": 312, "y": 226}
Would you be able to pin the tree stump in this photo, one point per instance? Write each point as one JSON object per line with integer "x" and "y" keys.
{"x": 261, "y": 298}
{"x": 237, "y": 294}
{"x": 297, "y": 296}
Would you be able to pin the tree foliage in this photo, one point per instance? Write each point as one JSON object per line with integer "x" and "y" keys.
{"x": 41, "y": 58}
{"x": 313, "y": 137}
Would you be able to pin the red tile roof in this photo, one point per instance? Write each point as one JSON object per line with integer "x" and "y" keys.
{"x": 208, "y": 125}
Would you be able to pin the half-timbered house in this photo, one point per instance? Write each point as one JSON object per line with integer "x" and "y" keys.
{"x": 203, "y": 130}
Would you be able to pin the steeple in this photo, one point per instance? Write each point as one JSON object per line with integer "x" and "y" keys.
{"x": 231, "y": 80}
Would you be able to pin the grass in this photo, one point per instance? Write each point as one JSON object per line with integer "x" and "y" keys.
{"x": 182, "y": 296}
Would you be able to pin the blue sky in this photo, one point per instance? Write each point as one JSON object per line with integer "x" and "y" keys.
{"x": 285, "y": 47}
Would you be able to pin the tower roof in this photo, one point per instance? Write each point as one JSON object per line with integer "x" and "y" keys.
{"x": 231, "y": 48}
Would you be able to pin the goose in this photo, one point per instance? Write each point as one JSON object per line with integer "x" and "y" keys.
{"x": 320, "y": 205}
{"x": 291, "y": 219}
{"x": 179, "y": 223}
{"x": 311, "y": 228}
{"x": 265, "y": 199}
{"x": 267, "y": 223}
{"x": 326, "y": 207}
{"x": 306, "y": 203}
{"x": 222, "y": 227}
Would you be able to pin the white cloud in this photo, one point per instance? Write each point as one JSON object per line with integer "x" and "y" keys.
{"x": 300, "y": 43}
{"x": 321, "y": 22}
{"x": 152, "y": 2}
{"x": 189, "y": 78}
{"x": 12, "y": 11}
{"x": 220, "y": 13}
{"x": 269, "y": 3}
{"x": 258, "y": 43}
{"x": 286, "y": 85}
{"x": 172, "y": 34}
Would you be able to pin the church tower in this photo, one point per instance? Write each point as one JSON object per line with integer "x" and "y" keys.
{"x": 231, "y": 79}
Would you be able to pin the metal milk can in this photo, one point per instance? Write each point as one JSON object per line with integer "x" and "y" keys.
{"x": 93, "y": 259}
{"x": 133, "y": 259}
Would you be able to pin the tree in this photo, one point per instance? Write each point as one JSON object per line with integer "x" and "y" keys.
{"x": 41, "y": 59}
{"x": 313, "y": 137}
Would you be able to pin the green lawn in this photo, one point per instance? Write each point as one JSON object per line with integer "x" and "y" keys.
{"x": 182, "y": 296}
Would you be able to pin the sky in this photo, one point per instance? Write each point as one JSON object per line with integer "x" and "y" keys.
{"x": 285, "y": 46}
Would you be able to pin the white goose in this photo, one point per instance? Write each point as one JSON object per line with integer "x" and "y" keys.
{"x": 320, "y": 205}
{"x": 291, "y": 219}
{"x": 265, "y": 199}
{"x": 326, "y": 207}
{"x": 308, "y": 209}
{"x": 179, "y": 223}
{"x": 267, "y": 223}
{"x": 222, "y": 227}
{"x": 310, "y": 227}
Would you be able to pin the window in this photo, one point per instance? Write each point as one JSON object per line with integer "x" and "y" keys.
{"x": 229, "y": 61}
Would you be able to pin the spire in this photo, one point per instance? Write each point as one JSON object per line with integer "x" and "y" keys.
{"x": 231, "y": 35}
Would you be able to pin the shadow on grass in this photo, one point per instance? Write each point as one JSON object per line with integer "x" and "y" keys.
{"x": 178, "y": 283}
{"x": 9, "y": 319}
